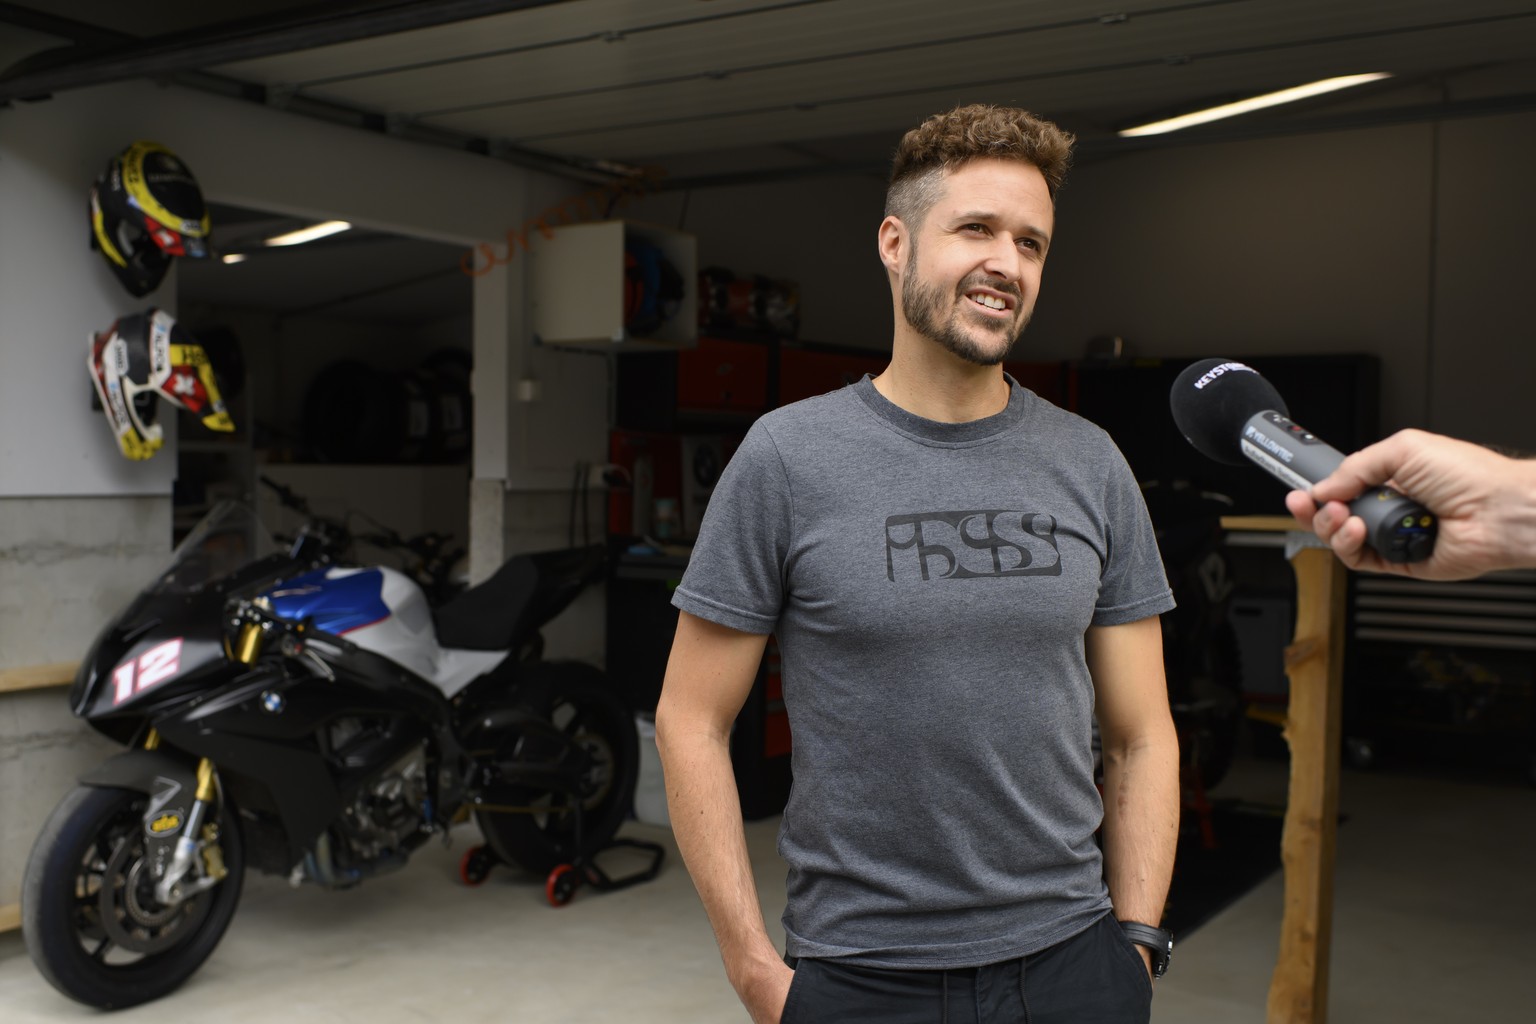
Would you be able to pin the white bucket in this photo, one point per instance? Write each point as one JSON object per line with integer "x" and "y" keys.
{"x": 650, "y": 788}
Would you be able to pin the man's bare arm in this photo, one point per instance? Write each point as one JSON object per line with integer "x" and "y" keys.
{"x": 709, "y": 676}
{"x": 1141, "y": 767}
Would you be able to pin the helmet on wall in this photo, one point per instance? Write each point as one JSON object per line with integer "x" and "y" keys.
{"x": 145, "y": 209}
{"x": 144, "y": 357}
{"x": 653, "y": 288}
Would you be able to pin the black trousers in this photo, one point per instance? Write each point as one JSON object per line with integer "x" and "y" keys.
{"x": 1095, "y": 977}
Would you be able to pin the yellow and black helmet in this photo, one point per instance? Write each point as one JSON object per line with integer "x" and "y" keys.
{"x": 147, "y": 208}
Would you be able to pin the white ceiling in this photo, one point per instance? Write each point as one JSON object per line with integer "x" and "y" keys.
{"x": 683, "y": 83}
{"x": 716, "y": 90}
{"x": 395, "y": 282}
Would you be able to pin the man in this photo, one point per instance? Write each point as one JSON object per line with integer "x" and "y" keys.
{"x": 960, "y": 575}
{"x": 1485, "y": 504}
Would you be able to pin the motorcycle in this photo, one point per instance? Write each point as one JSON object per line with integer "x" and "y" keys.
{"x": 1201, "y": 658}
{"x": 299, "y": 716}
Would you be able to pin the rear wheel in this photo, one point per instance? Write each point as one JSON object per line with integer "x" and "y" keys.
{"x": 598, "y": 742}
{"x": 1212, "y": 713}
{"x": 89, "y": 913}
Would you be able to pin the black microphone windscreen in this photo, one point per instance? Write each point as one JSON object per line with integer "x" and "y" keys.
{"x": 1211, "y": 401}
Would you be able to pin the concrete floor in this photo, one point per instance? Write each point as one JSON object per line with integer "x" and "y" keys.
{"x": 1433, "y": 922}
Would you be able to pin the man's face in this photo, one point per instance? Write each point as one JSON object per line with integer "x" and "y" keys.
{"x": 973, "y": 265}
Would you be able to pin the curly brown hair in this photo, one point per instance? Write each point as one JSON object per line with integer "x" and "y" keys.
{"x": 945, "y": 142}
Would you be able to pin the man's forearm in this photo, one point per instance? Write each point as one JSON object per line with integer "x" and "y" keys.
{"x": 1141, "y": 825}
{"x": 705, "y": 812}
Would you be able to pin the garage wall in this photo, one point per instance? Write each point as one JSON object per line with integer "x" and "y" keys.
{"x": 52, "y": 445}
{"x": 1483, "y": 358}
{"x": 54, "y": 294}
{"x": 80, "y": 527}
{"x": 1409, "y": 242}
{"x": 1310, "y": 244}
{"x": 819, "y": 232}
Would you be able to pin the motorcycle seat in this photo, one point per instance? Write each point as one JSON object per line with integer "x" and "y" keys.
{"x": 506, "y": 611}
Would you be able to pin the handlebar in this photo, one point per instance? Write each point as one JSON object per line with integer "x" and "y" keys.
{"x": 286, "y": 495}
{"x": 320, "y": 539}
{"x": 423, "y": 545}
{"x": 323, "y": 539}
{"x": 255, "y": 628}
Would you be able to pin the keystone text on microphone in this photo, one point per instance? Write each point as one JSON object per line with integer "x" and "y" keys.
{"x": 1217, "y": 371}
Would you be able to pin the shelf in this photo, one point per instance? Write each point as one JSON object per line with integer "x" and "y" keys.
{"x": 578, "y": 287}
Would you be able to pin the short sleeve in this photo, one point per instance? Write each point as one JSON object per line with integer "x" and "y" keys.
{"x": 1133, "y": 585}
{"x": 735, "y": 576}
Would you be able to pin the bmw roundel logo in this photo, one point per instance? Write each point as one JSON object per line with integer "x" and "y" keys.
{"x": 273, "y": 702}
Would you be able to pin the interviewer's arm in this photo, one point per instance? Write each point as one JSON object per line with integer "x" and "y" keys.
{"x": 709, "y": 676}
{"x": 1141, "y": 767}
{"x": 1485, "y": 503}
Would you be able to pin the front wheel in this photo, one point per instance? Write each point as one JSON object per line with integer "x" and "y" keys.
{"x": 90, "y": 917}
{"x": 599, "y": 741}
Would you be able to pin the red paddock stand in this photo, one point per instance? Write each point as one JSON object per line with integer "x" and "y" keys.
{"x": 562, "y": 882}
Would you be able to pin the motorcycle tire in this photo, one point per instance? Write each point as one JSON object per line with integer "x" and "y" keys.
{"x": 89, "y": 917}
{"x": 598, "y": 721}
{"x": 1211, "y": 737}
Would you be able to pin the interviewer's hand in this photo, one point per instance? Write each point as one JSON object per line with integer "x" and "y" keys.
{"x": 1485, "y": 504}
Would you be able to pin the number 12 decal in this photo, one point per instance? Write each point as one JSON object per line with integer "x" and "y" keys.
{"x": 153, "y": 666}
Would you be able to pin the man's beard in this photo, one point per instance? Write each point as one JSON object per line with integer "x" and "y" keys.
{"x": 923, "y": 306}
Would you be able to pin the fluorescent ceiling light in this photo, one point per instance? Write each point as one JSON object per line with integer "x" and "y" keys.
{"x": 1272, "y": 99}
{"x": 309, "y": 234}
{"x": 233, "y": 257}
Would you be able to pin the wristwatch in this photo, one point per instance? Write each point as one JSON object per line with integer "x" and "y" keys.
{"x": 1159, "y": 941}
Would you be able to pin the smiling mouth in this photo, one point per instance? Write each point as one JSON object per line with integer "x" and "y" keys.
{"x": 993, "y": 304}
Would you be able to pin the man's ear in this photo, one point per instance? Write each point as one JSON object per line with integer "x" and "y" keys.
{"x": 893, "y": 241}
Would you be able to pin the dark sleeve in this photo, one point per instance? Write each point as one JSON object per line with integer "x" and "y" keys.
{"x": 735, "y": 575}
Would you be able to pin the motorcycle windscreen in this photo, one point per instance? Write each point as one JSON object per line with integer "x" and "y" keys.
{"x": 227, "y": 539}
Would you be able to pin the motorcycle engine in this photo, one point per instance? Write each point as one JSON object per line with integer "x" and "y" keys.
{"x": 388, "y": 809}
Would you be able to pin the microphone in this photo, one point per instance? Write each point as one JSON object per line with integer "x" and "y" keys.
{"x": 1232, "y": 414}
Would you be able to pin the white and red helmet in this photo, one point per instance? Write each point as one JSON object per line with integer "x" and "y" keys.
{"x": 144, "y": 357}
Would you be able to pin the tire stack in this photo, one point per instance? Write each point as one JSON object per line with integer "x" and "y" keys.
{"x": 357, "y": 413}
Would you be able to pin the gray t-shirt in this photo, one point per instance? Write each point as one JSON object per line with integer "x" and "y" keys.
{"x": 930, "y": 584}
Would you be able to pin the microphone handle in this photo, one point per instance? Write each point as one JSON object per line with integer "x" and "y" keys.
{"x": 1399, "y": 528}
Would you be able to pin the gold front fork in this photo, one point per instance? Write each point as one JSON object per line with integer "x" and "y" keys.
{"x": 248, "y": 643}
{"x": 248, "y": 646}
{"x": 213, "y": 856}
{"x": 199, "y": 836}
{"x": 205, "y": 790}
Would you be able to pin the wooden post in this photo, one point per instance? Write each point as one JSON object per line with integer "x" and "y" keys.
{"x": 1298, "y": 991}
